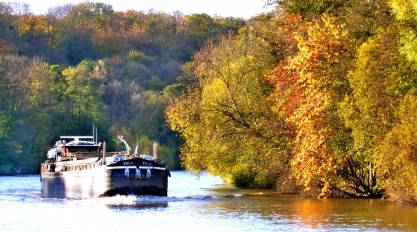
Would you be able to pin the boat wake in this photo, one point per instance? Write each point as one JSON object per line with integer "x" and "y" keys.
{"x": 34, "y": 195}
{"x": 135, "y": 200}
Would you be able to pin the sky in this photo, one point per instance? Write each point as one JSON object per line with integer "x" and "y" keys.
{"x": 224, "y": 8}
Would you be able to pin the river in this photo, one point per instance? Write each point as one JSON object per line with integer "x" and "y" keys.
{"x": 195, "y": 204}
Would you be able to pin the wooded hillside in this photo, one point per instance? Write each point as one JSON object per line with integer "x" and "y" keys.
{"x": 86, "y": 64}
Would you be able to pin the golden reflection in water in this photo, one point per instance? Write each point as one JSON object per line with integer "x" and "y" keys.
{"x": 318, "y": 214}
{"x": 351, "y": 213}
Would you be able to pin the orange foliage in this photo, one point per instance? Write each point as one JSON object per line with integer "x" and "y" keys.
{"x": 308, "y": 87}
{"x": 292, "y": 26}
{"x": 287, "y": 94}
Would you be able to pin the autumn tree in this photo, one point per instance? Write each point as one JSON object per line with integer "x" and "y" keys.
{"x": 379, "y": 110}
{"x": 405, "y": 13}
{"x": 198, "y": 28}
{"x": 225, "y": 120}
{"x": 369, "y": 110}
{"x": 364, "y": 19}
{"x": 310, "y": 8}
{"x": 309, "y": 87}
{"x": 397, "y": 149}
{"x": 78, "y": 29}
{"x": 33, "y": 34}
{"x": 397, "y": 154}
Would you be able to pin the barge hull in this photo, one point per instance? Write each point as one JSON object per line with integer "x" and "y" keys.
{"x": 136, "y": 176}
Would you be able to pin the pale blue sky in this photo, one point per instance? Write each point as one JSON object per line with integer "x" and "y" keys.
{"x": 225, "y": 8}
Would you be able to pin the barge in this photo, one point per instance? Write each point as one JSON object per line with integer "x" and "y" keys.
{"x": 83, "y": 169}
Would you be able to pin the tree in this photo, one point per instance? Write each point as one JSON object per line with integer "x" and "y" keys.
{"x": 398, "y": 157}
{"x": 406, "y": 15}
{"x": 310, "y": 8}
{"x": 225, "y": 121}
{"x": 8, "y": 30}
{"x": 364, "y": 19}
{"x": 77, "y": 45}
{"x": 198, "y": 28}
{"x": 84, "y": 106}
{"x": 33, "y": 34}
{"x": 78, "y": 31}
{"x": 309, "y": 87}
{"x": 149, "y": 125}
{"x": 369, "y": 110}
{"x": 108, "y": 44}
{"x": 27, "y": 110}
{"x": 396, "y": 151}
{"x": 7, "y": 105}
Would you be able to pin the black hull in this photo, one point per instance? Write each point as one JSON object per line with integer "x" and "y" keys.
{"x": 135, "y": 176}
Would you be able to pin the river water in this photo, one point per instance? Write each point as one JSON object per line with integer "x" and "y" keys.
{"x": 195, "y": 204}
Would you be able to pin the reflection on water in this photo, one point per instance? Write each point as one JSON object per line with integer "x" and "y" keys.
{"x": 356, "y": 213}
{"x": 195, "y": 204}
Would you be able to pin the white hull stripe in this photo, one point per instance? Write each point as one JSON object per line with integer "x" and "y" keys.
{"x": 132, "y": 167}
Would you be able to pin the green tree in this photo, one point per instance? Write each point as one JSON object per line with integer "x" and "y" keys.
{"x": 77, "y": 45}
{"x": 84, "y": 106}
{"x": 198, "y": 28}
{"x": 7, "y": 105}
{"x": 27, "y": 111}
{"x": 149, "y": 125}
{"x": 135, "y": 112}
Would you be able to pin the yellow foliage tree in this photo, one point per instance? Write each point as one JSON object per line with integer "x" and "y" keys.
{"x": 226, "y": 120}
{"x": 315, "y": 80}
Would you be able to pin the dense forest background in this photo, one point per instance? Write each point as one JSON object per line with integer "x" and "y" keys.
{"x": 83, "y": 65}
{"x": 316, "y": 98}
